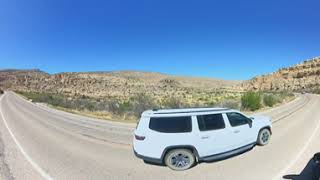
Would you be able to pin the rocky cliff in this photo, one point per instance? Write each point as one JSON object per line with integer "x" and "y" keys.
{"x": 304, "y": 76}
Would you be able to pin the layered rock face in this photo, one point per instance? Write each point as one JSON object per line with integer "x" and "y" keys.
{"x": 301, "y": 77}
{"x": 120, "y": 85}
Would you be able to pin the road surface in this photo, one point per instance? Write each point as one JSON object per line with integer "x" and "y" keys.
{"x": 37, "y": 142}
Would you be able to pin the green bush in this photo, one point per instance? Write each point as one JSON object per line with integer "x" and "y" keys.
{"x": 251, "y": 101}
{"x": 269, "y": 100}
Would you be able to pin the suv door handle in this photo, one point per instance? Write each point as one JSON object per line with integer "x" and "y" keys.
{"x": 205, "y": 137}
{"x": 236, "y": 131}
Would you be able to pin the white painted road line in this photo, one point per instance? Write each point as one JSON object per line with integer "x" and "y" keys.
{"x": 45, "y": 175}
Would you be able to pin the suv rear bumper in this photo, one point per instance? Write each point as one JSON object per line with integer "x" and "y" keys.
{"x": 148, "y": 159}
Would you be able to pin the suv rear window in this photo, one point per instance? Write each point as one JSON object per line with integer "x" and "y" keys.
{"x": 171, "y": 124}
{"x": 210, "y": 122}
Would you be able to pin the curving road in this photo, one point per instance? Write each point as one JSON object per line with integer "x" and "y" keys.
{"x": 37, "y": 142}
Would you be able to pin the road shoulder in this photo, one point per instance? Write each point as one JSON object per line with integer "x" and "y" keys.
{"x": 15, "y": 164}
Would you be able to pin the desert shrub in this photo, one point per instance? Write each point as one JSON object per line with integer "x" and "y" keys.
{"x": 172, "y": 102}
{"x": 80, "y": 104}
{"x": 212, "y": 103}
{"x": 251, "y": 101}
{"x": 231, "y": 103}
{"x": 284, "y": 94}
{"x": 269, "y": 100}
{"x": 316, "y": 91}
{"x": 140, "y": 103}
{"x": 110, "y": 106}
{"x": 61, "y": 100}
{"x": 124, "y": 107}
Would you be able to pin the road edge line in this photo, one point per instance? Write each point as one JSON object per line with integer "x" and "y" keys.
{"x": 29, "y": 159}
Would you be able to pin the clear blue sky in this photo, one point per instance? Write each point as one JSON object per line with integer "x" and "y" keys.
{"x": 215, "y": 38}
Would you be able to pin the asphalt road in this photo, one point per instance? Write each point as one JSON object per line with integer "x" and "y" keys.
{"x": 37, "y": 142}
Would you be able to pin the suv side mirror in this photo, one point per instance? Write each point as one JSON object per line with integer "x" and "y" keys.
{"x": 316, "y": 158}
{"x": 249, "y": 122}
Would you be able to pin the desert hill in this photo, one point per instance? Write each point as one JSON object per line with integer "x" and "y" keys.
{"x": 118, "y": 84}
{"x": 304, "y": 76}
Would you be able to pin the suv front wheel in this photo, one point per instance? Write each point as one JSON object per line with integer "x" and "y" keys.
{"x": 264, "y": 137}
{"x": 179, "y": 159}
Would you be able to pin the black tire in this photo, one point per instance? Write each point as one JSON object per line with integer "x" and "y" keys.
{"x": 179, "y": 159}
{"x": 264, "y": 137}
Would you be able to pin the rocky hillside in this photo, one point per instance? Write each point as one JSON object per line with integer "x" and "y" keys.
{"x": 119, "y": 85}
{"x": 124, "y": 84}
{"x": 301, "y": 77}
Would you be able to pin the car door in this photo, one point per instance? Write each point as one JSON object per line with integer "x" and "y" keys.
{"x": 167, "y": 132}
{"x": 213, "y": 135}
{"x": 241, "y": 128}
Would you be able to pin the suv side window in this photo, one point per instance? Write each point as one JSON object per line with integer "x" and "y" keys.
{"x": 210, "y": 122}
{"x": 237, "y": 119}
{"x": 171, "y": 124}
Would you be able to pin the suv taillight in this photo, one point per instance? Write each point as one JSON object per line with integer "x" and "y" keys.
{"x": 139, "y": 138}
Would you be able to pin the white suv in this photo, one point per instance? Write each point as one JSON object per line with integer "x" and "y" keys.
{"x": 179, "y": 138}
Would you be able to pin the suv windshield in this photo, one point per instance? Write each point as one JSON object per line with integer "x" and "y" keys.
{"x": 171, "y": 124}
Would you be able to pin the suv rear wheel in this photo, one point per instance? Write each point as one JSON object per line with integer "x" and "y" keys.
{"x": 179, "y": 159}
{"x": 264, "y": 137}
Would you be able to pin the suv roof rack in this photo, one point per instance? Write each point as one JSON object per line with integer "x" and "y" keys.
{"x": 194, "y": 110}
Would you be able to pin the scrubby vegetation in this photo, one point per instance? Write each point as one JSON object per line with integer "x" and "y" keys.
{"x": 251, "y": 101}
{"x": 134, "y": 107}
{"x": 269, "y": 100}
{"x": 231, "y": 103}
{"x": 316, "y": 91}
{"x": 255, "y": 100}
{"x": 131, "y": 109}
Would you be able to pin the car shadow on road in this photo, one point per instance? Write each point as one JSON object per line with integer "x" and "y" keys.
{"x": 310, "y": 172}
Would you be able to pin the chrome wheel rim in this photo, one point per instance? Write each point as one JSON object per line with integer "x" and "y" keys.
{"x": 265, "y": 135}
{"x": 180, "y": 160}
